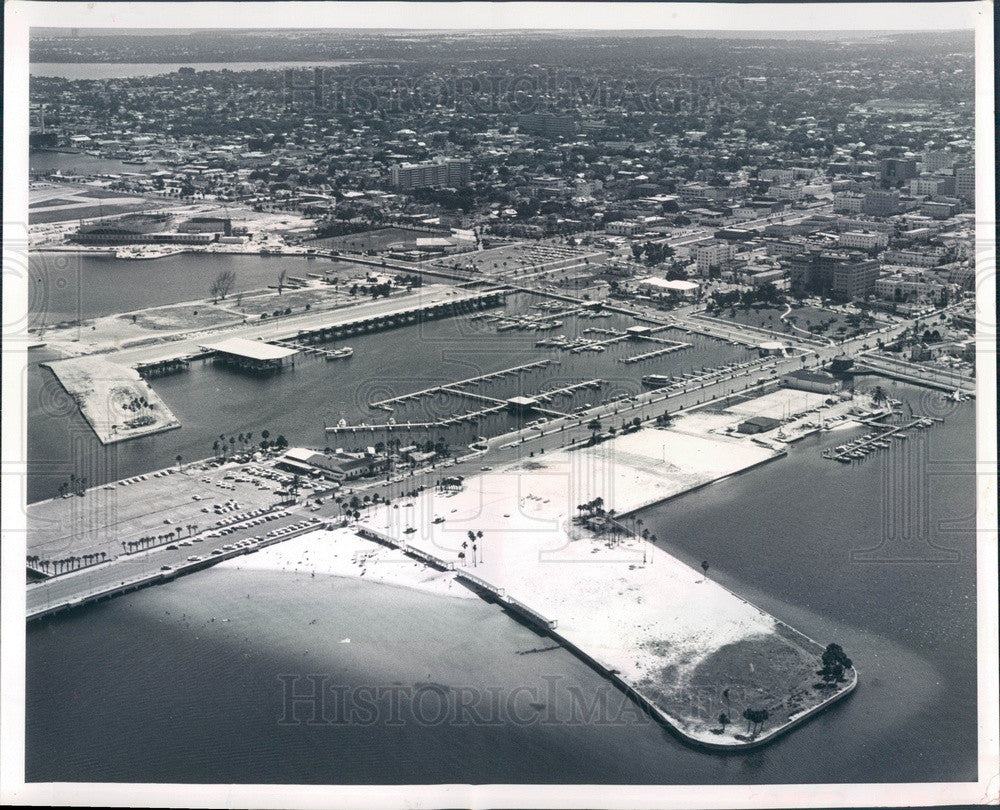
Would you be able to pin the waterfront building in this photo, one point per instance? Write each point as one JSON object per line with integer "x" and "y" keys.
{"x": 336, "y": 467}
{"x": 129, "y": 229}
{"x": 671, "y": 289}
{"x": 207, "y": 225}
{"x": 758, "y": 424}
{"x": 252, "y": 355}
{"x": 820, "y": 382}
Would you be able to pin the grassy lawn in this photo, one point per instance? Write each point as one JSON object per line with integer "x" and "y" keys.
{"x": 811, "y": 319}
{"x": 776, "y": 672}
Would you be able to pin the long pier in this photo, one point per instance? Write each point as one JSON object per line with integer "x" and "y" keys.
{"x": 455, "y": 387}
{"x": 674, "y": 346}
{"x": 911, "y": 373}
{"x": 391, "y": 320}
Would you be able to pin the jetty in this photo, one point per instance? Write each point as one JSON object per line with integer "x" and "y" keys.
{"x": 455, "y": 387}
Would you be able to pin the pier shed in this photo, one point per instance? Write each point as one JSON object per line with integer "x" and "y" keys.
{"x": 521, "y": 404}
{"x": 252, "y": 355}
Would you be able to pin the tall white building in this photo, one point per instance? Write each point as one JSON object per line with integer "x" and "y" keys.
{"x": 965, "y": 182}
{"x": 717, "y": 254}
{"x": 443, "y": 172}
{"x": 863, "y": 240}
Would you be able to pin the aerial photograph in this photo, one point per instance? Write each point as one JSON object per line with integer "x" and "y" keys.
{"x": 415, "y": 406}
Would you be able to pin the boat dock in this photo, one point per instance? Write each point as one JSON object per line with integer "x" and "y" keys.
{"x": 455, "y": 387}
{"x": 327, "y": 354}
{"x": 668, "y": 347}
{"x": 878, "y": 440}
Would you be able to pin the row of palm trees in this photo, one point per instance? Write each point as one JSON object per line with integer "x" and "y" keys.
{"x": 225, "y": 446}
{"x": 149, "y": 541}
{"x": 66, "y": 564}
{"x": 595, "y": 508}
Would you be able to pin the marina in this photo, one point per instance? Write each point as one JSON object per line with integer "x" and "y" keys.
{"x": 881, "y": 439}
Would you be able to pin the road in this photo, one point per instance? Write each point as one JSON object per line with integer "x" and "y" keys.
{"x": 555, "y": 434}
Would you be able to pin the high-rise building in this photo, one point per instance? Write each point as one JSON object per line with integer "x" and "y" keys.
{"x": 965, "y": 182}
{"x": 940, "y": 159}
{"x": 846, "y": 276}
{"x": 546, "y": 124}
{"x": 440, "y": 173}
{"x": 880, "y": 203}
{"x": 715, "y": 255}
{"x": 898, "y": 170}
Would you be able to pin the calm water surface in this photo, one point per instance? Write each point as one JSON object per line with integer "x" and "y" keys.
{"x": 184, "y": 682}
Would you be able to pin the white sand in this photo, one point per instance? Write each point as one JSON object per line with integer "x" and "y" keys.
{"x": 342, "y": 553}
{"x": 631, "y": 606}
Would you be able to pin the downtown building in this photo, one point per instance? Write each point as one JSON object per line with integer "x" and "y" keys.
{"x": 440, "y": 173}
{"x": 845, "y": 276}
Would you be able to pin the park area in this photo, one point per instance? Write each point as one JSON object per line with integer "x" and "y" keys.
{"x": 116, "y": 402}
{"x": 802, "y": 320}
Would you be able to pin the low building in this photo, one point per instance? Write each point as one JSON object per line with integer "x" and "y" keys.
{"x": 251, "y": 355}
{"x": 863, "y": 240}
{"x": 819, "y": 382}
{"x": 758, "y": 424}
{"x": 675, "y": 289}
{"x": 336, "y": 467}
{"x": 624, "y": 227}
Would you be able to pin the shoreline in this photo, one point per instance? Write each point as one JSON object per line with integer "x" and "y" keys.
{"x": 683, "y": 622}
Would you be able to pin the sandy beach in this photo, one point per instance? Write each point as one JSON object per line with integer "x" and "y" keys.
{"x": 342, "y": 553}
{"x": 691, "y": 647}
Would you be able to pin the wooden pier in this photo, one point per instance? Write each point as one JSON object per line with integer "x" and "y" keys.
{"x": 161, "y": 368}
{"x": 327, "y": 354}
{"x": 671, "y": 346}
{"x": 455, "y": 387}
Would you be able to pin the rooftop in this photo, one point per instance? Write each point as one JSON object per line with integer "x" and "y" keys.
{"x": 251, "y": 349}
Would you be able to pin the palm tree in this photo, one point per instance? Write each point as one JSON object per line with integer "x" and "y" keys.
{"x": 593, "y": 426}
{"x": 178, "y": 458}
